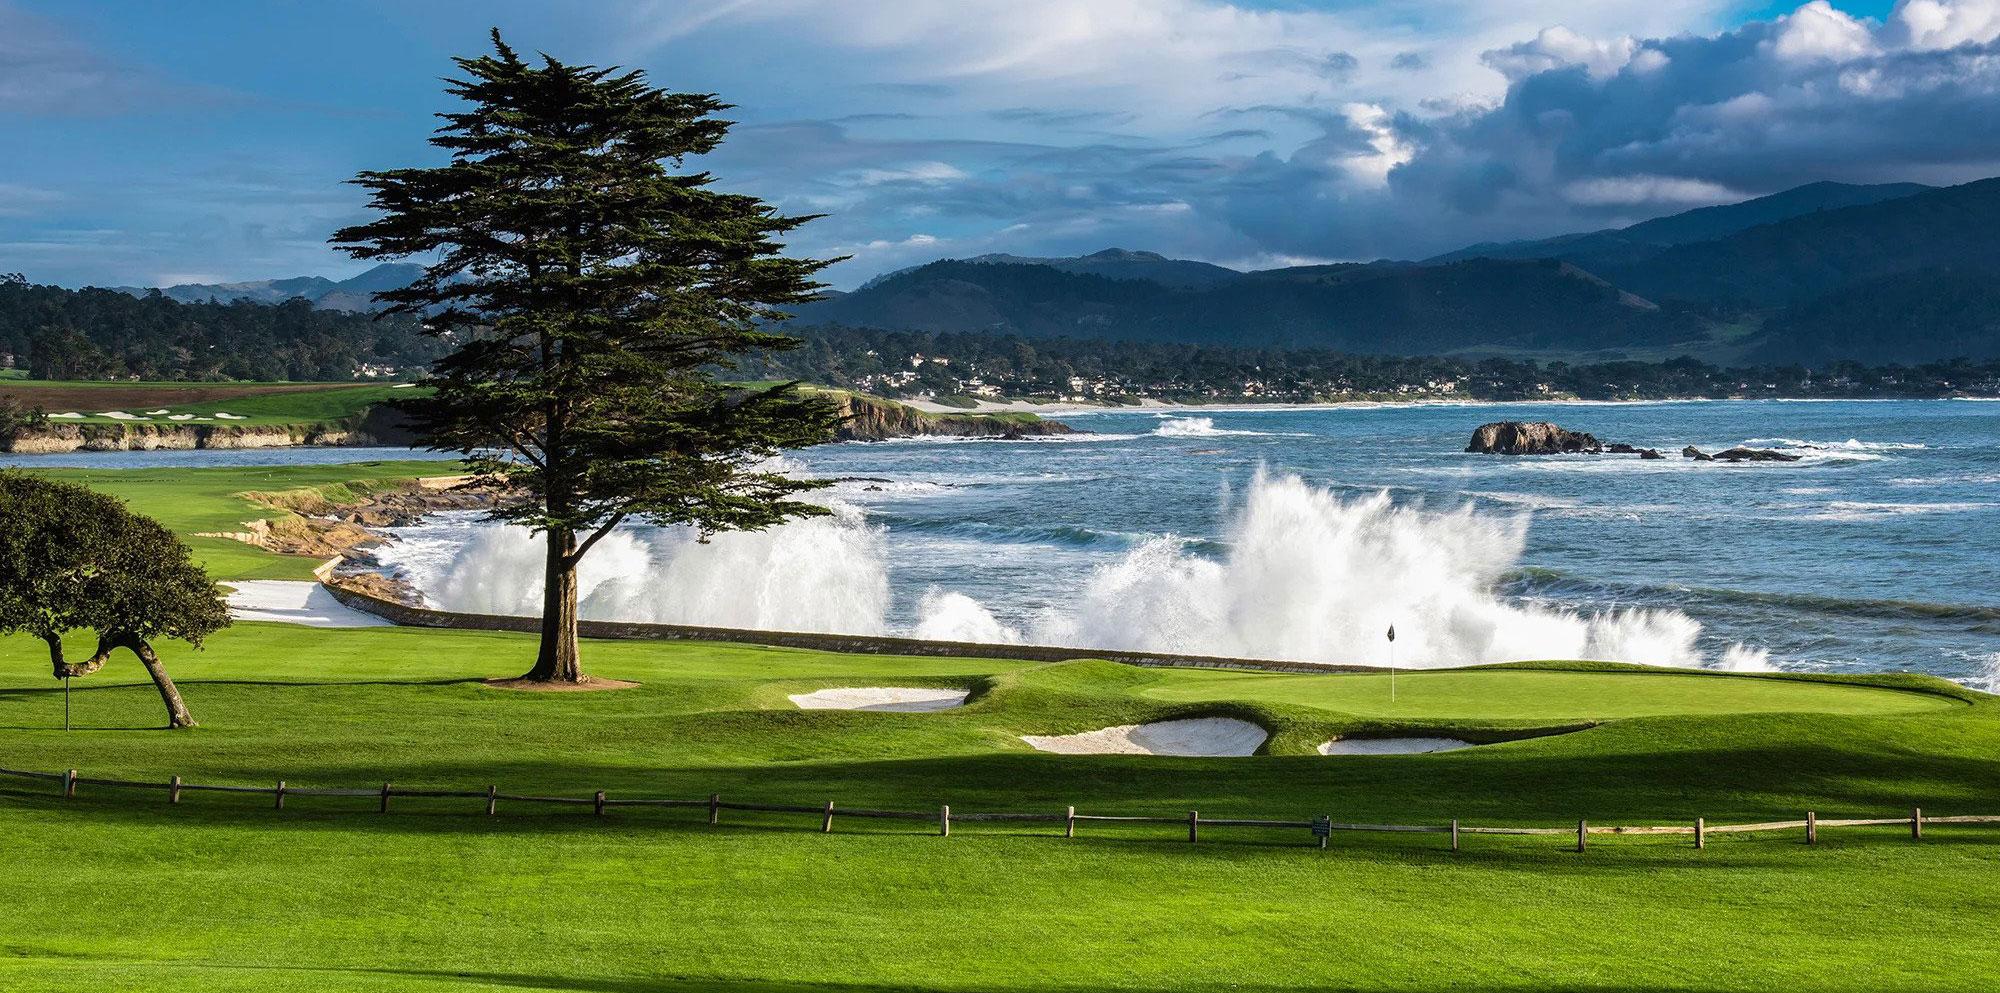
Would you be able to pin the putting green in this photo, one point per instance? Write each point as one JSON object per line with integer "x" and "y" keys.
{"x": 1523, "y": 694}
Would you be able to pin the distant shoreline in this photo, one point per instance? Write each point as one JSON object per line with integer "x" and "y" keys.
{"x": 1073, "y": 409}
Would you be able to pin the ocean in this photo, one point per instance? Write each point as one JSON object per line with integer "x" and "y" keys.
{"x": 1307, "y": 533}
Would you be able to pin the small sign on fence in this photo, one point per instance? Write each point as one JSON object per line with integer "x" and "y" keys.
{"x": 1323, "y": 828}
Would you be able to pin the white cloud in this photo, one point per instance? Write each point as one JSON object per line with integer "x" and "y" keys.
{"x": 1052, "y": 126}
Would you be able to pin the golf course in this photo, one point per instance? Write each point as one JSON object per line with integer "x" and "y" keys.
{"x": 221, "y": 891}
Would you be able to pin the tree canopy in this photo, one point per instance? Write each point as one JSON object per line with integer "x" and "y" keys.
{"x": 593, "y": 290}
{"x": 72, "y": 559}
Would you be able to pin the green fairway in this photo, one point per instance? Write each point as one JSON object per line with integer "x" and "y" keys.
{"x": 194, "y": 502}
{"x": 158, "y": 403}
{"x": 221, "y": 892}
{"x": 1532, "y": 695}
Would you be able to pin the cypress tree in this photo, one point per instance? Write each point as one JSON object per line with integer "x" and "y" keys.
{"x": 592, "y": 288}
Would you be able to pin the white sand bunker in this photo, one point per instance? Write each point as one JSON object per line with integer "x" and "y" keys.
{"x": 294, "y": 602}
{"x": 904, "y": 699}
{"x": 1391, "y": 746}
{"x": 1203, "y": 736}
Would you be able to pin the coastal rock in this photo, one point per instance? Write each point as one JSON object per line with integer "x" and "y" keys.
{"x": 1530, "y": 438}
{"x": 1696, "y": 454}
{"x": 1754, "y": 455}
{"x": 875, "y": 419}
{"x": 1650, "y": 453}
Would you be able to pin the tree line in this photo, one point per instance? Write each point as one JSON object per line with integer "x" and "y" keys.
{"x": 879, "y": 361}
{"x": 58, "y": 333}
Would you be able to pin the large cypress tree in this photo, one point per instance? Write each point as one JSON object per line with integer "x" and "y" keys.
{"x": 592, "y": 289}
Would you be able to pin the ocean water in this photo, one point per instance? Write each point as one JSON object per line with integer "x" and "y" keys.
{"x": 1307, "y": 533}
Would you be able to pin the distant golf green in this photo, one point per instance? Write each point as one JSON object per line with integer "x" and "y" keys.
{"x": 1507, "y": 694}
{"x": 195, "y": 502}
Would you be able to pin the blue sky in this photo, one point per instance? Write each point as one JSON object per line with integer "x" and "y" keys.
{"x": 153, "y": 143}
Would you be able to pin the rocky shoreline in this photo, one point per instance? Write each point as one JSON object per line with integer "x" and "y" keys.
{"x": 1545, "y": 438}
{"x": 868, "y": 419}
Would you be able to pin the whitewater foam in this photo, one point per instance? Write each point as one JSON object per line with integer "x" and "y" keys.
{"x": 1303, "y": 572}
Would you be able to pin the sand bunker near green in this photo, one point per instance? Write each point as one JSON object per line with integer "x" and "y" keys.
{"x": 1391, "y": 746}
{"x": 1198, "y": 736}
{"x": 905, "y": 699}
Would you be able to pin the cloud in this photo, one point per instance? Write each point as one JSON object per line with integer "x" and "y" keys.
{"x": 45, "y": 72}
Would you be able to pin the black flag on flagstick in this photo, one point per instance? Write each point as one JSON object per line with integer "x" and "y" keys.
{"x": 1392, "y": 662}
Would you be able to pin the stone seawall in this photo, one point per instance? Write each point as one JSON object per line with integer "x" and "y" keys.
{"x": 410, "y": 616}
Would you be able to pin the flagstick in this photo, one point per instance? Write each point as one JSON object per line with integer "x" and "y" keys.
{"x": 1392, "y": 671}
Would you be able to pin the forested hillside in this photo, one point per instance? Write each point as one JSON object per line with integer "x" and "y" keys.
{"x": 58, "y": 333}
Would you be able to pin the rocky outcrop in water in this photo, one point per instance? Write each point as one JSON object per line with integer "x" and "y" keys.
{"x": 1754, "y": 455}
{"x": 875, "y": 419}
{"x": 1696, "y": 454}
{"x": 1531, "y": 438}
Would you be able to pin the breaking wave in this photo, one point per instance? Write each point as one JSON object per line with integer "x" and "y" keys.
{"x": 1303, "y": 572}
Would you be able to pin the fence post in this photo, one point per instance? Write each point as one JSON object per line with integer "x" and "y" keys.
{"x": 1582, "y": 834}
{"x": 715, "y": 808}
{"x": 944, "y": 821}
{"x": 1069, "y": 823}
{"x": 1700, "y": 832}
{"x": 69, "y": 784}
{"x": 598, "y": 802}
{"x": 492, "y": 799}
{"x": 1454, "y": 834}
{"x": 1194, "y": 824}
{"x": 1916, "y": 823}
{"x": 174, "y": 790}
{"x": 1812, "y": 828}
{"x": 280, "y": 794}
{"x": 826, "y": 826}
{"x": 385, "y": 797}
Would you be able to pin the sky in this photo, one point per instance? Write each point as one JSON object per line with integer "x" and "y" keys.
{"x": 149, "y": 144}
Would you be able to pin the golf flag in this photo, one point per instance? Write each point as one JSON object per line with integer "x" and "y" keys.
{"x": 1392, "y": 632}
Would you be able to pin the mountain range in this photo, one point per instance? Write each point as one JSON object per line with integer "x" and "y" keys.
{"x": 355, "y": 293}
{"x": 1888, "y": 273}
{"x": 1879, "y": 274}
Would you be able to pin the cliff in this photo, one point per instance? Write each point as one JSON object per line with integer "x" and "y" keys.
{"x": 875, "y": 419}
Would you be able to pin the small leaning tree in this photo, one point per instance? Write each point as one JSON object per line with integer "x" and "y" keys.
{"x": 75, "y": 560}
{"x": 593, "y": 290}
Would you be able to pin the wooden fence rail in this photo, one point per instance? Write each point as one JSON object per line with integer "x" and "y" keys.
{"x": 1322, "y": 826}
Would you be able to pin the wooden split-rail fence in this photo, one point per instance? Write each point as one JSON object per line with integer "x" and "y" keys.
{"x": 1322, "y": 827}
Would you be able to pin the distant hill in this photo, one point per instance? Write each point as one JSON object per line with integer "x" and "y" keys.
{"x": 1378, "y": 308}
{"x": 1113, "y": 263}
{"x": 1890, "y": 273}
{"x": 1626, "y": 246}
{"x": 353, "y": 294}
{"x": 1804, "y": 258}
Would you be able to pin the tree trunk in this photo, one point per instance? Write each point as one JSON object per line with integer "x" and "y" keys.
{"x": 177, "y": 712}
{"x": 557, "y": 661}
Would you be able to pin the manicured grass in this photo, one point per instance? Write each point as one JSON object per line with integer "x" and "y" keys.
{"x": 197, "y": 501}
{"x": 254, "y": 404}
{"x": 118, "y": 890}
{"x": 1503, "y": 694}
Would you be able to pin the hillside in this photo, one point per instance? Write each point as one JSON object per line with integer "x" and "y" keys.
{"x": 1625, "y": 246}
{"x": 1370, "y": 309}
{"x": 354, "y": 294}
{"x": 59, "y": 333}
{"x": 1807, "y": 257}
